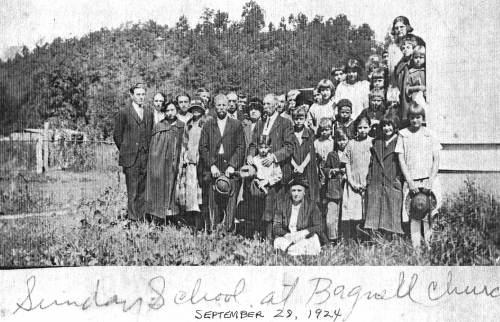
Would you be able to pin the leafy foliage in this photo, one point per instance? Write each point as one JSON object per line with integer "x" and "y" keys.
{"x": 81, "y": 83}
{"x": 95, "y": 234}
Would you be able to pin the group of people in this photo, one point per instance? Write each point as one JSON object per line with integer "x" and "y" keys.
{"x": 359, "y": 159}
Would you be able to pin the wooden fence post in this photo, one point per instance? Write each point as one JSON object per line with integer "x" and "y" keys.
{"x": 46, "y": 146}
{"x": 39, "y": 155}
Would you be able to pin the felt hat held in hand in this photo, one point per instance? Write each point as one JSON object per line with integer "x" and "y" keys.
{"x": 223, "y": 186}
{"x": 420, "y": 204}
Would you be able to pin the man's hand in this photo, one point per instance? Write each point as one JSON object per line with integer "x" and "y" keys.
{"x": 229, "y": 171}
{"x": 413, "y": 187}
{"x": 250, "y": 160}
{"x": 215, "y": 171}
{"x": 267, "y": 161}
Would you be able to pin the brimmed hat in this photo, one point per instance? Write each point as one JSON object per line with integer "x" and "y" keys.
{"x": 223, "y": 186}
{"x": 197, "y": 102}
{"x": 420, "y": 204}
{"x": 255, "y": 191}
{"x": 298, "y": 180}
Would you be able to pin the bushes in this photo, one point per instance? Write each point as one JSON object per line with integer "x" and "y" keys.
{"x": 467, "y": 234}
{"x": 467, "y": 230}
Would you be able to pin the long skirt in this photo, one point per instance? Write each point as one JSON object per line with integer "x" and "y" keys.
{"x": 352, "y": 204}
{"x": 383, "y": 208}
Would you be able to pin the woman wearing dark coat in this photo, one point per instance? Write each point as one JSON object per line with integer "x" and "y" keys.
{"x": 384, "y": 192}
{"x": 298, "y": 226}
{"x": 163, "y": 164}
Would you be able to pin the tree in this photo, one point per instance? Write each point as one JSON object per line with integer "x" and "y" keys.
{"x": 182, "y": 25}
{"x": 221, "y": 19}
{"x": 253, "y": 17}
{"x": 270, "y": 27}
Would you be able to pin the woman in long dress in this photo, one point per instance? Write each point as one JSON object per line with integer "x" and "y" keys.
{"x": 188, "y": 192}
{"x": 400, "y": 28}
{"x": 163, "y": 164}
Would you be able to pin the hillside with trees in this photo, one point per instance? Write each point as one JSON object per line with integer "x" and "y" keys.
{"x": 80, "y": 83}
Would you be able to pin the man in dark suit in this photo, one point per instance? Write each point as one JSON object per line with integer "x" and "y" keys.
{"x": 222, "y": 151}
{"x": 280, "y": 131}
{"x": 132, "y": 134}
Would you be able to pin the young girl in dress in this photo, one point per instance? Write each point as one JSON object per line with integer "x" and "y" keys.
{"x": 401, "y": 73}
{"x": 304, "y": 157}
{"x": 415, "y": 81}
{"x": 334, "y": 170}
{"x": 338, "y": 73}
{"x": 384, "y": 189}
{"x": 323, "y": 145}
{"x": 418, "y": 154}
{"x": 357, "y": 159}
{"x": 375, "y": 112}
{"x": 344, "y": 119}
{"x": 354, "y": 88}
{"x": 325, "y": 108}
{"x": 380, "y": 80}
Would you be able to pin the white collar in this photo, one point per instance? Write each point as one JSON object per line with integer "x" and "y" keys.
{"x": 136, "y": 106}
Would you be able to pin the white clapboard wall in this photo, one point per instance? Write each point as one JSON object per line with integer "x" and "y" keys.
{"x": 463, "y": 70}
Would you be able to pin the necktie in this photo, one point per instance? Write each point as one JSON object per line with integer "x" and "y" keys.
{"x": 266, "y": 128}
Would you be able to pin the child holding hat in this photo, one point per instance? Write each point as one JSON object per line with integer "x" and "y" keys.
{"x": 418, "y": 154}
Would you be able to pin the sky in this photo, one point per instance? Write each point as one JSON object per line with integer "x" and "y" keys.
{"x": 461, "y": 36}
{"x": 26, "y": 22}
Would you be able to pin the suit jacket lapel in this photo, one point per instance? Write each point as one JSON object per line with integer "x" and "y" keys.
{"x": 226, "y": 128}
{"x": 276, "y": 123}
{"x": 215, "y": 129}
{"x": 134, "y": 114}
{"x": 301, "y": 219}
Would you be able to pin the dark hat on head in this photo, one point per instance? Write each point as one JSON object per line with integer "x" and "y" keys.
{"x": 223, "y": 186}
{"x": 298, "y": 180}
{"x": 197, "y": 102}
{"x": 420, "y": 204}
{"x": 344, "y": 102}
{"x": 264, "y": 140}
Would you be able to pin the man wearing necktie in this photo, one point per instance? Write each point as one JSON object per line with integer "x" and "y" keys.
{"x": 280, "y": 131}
{"x": 222, "y": 151}
{"x": 132, "y": 134}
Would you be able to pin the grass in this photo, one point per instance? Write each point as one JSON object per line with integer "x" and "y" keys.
{"x": 467, "y": 233}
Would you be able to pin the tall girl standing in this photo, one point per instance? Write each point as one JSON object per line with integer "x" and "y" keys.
{"x": 384, "y": 192}
{"x": 357, "y": 161}
{"x": 325, "y": 108}
{"x": 354, "y": 88}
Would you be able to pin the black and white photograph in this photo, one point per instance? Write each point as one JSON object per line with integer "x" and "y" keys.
{"x": 321, "y": 134}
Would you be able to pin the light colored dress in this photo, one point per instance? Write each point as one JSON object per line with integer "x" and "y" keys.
{"x": 189, "y": 192}
{"x": 357, "y": 154}
{"x": 357, "y": 93}
{"x": 319, "y": 111}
